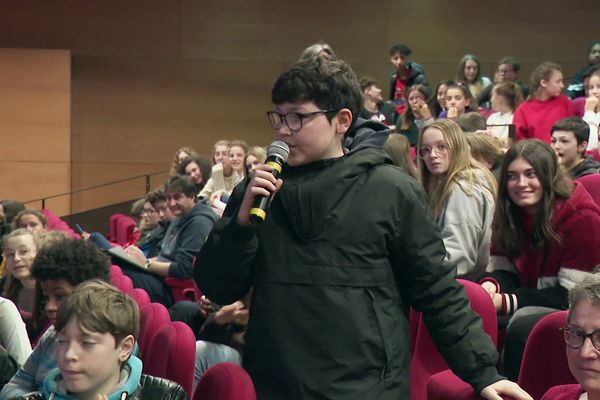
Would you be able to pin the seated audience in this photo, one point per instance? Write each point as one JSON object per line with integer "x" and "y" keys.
{"x": 416, "y": 115}
{"x": 508, "y": 71}
{"x": 576, "y": 86}
{"x": 398, "y": 148}
{"x": 20, "y": 249}
{"x": 238, "y": 150}
{"x": 458, "y": 101}
{"x": 220, "y": 330}
{"x": 487, "y": 150}
{"x": 534, "y": 118}
{"x": 405, "y": 74}
{"x": 311, "y": 255}
{"x": 59, "y": 268}
{"x": 183, "y": 239}
{"x": 569, "y": 141}
{"x": 469, "y": 73}
{"x": 545, "y": 234}
{"x": 32, "y": 220}
{"x": 592, "y": 110}
{"x": 257, "y": 155}
{"x": 471, "y": 122}
{"x": 506, "y": 97}
{"x": 461, "y": 194}
{"x": 151, "y": 240}
{"x": 439, "y": 103}
{"x": 198, "y": 169}
{"x": 180, "y": 155}
{"x": 223, "y": 177}
{"x": 583, "y": 355}
{"x": 374, "y": 108}
{"x": 97, "y": 328}
{"x": 13, "y": 334}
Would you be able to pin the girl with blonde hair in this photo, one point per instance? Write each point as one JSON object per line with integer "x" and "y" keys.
{"x": 461, "y": 194}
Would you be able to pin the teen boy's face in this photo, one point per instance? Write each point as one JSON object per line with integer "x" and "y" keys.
{"x": 90, "y": 362}
{"x": 566, "y": 148}
{"x": 56, "y": 292}
{"x": 319, "y": 139}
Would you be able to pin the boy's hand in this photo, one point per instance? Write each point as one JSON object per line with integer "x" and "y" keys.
{"x": 504, "y": 388}
{"x": 231, "y": 313}
{"x": 262, "y": 183}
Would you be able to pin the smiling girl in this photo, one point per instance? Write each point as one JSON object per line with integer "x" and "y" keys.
{"x": 469, "y": 73}
{"x": 545, "y": 236}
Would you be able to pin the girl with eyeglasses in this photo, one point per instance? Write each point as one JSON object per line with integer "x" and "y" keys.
{"x": 461, "y": 194}
{"x": 545, "y": 238}
{"x": 20, "y": 248}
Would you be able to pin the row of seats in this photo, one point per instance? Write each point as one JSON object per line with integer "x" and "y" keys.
{"x": 168, "y": 350}
{"x": 431, "y": 378}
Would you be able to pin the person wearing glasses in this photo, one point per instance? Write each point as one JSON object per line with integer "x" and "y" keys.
{"x": 347, "y": 246}
{"x": 460, "y": 191}
{"x": 582, "y": 339}
{"x": 545, "y": 239}
{"x": 507, "y": 71}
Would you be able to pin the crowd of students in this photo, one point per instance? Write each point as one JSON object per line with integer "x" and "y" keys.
{"x": 380, "y": 207}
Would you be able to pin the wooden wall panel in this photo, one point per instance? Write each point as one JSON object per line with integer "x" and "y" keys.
{"x": 151, "y": 75}
{"x": 35, "y": 123}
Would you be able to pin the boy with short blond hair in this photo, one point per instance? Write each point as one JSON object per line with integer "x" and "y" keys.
{"x": 97, "y": 328}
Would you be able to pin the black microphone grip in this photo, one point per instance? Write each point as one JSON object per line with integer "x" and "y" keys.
{"x": 258, "y": 212}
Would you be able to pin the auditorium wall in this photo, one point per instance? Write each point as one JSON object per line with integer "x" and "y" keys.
{"x": 150, "y": 76}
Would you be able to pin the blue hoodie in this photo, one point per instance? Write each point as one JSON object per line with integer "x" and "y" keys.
{"x": 54, "y": 388}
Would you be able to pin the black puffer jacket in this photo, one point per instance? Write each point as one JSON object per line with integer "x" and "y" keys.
{"x": 347, "y": 247}
{"x": 150, "y": 388}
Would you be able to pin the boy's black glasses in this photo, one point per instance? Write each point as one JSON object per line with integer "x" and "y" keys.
{"x": 575, "y": 337}
{"x": 293, "y": 120}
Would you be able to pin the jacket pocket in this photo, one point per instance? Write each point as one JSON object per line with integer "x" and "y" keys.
{"x": 385, "y": 368}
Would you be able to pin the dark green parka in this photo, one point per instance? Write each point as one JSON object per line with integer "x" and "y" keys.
{"x": 348, "y": 246}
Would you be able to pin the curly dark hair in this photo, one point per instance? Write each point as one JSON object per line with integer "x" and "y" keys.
{"x": 74, "y": 260}
{"x": 204, "y": 163}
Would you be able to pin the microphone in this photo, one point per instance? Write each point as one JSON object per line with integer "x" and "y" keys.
{"x": 277, "y": 155}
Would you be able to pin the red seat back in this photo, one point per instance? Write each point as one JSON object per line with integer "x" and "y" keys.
{"x": 225, "y": 381}
{"x": 152, "y": 317}
{"x": 592, "y": 185}
{"x": 544, "y": 360}
{"x": 172, "y": 355}
{"x": 427, "y": 360}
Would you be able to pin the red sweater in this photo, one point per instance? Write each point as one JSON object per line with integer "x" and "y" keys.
{"x": 534, "y": 118}
{"x": 541, "y": 272}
